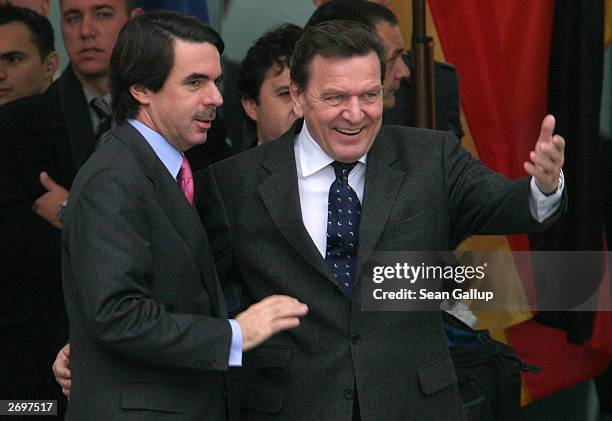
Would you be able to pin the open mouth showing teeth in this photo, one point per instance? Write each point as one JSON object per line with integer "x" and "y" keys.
{"x": 348, "y": 132}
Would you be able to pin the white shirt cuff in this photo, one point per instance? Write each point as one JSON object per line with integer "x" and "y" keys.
{"x": 542, "y": 206}
{"x": 235, "y": 355}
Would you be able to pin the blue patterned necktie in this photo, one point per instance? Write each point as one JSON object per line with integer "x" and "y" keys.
{"x": 343, "y": 215}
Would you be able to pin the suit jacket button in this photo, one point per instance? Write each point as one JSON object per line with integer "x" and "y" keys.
{"x": 348, "y": 394}
{"x": 355, "y": 338}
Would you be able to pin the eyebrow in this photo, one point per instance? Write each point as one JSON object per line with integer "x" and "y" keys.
{"x": 338, "y": 91}
{"x": 396, "y": 53}
{"x": 95, "y": 8}
{"x": 70, "y": 12}
{"x": 200, "y": 76}
{"x": 14, "y": 53}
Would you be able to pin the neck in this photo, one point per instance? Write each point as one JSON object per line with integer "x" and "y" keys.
{"x": 98, "y": 85}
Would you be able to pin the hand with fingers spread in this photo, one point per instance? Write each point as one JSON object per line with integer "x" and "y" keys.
{"x": 269, "y": 316}
{"x": 546, "y": 160}
{"x": 47, "y": 205}
{"x": 61, "y": 370}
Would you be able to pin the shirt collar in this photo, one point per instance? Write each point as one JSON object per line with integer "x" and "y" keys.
{"x": 311, "y": 157}
{"x": 169, "y": 156}
{"x": 89, "y": 96}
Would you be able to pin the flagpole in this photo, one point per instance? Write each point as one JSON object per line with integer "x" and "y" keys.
{"x": 422, "y": 53}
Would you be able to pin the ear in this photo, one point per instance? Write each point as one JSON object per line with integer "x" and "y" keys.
{"x": 297, "y": 96}
{"x": 50, "y": 65}
{"x": 137, "y": 11}
{"x": 250, "y": 107}
{"x": 317, "y": 3}
{"x": 141, "y": 94}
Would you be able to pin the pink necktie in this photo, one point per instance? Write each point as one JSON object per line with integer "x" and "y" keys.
{"x": 185, "y": 180}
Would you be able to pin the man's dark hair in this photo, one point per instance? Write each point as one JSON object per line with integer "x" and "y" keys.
{"x": 39, "y": 27}
{"x": 362, "y": 11}
{"x": 144, "y": 54}
{"x": 274, "y": 48}
{"x": 334, "y": 39}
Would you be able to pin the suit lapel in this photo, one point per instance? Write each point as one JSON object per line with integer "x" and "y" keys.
{"x": 76, "y": 117}
{"x": 382, "y": 183}
{"x": 183, "y": 216}
{"x": 280, "y": 194}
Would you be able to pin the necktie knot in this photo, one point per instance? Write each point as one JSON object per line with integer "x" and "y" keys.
{"x": 101, "y": 108}
{"x": 104, "y": 113}
{"x": 342, "y": 169}
{"x": 185, "y": 180}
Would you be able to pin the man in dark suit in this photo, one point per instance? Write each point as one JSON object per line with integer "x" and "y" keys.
{"x": 54, "y": 134}
{"x": 51, "y": 132}
{"x": 277, "y": 216}
{"x": 148, "y": 328}
{"x": 448, "y": 110}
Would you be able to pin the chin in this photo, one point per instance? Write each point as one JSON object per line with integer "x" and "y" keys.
{"x": 348, "y": 156}
{"x": 200, "y": 139}
{"x": 91, "y": 69}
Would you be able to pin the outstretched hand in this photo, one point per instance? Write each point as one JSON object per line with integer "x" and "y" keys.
{"x": 546, "y": 160}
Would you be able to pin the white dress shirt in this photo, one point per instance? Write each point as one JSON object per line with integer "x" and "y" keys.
{"x": 315, "y": 176}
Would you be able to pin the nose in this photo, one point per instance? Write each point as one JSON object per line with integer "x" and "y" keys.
{"x": 213, "y": 96}
{"x": 400, "y": 69}
{"x": 3, "y": 72}
{"x": 88, "y": 28}
{"x": 352, "y": 111}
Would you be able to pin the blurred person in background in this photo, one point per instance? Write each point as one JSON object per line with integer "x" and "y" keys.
{"x": 28, "y": 59}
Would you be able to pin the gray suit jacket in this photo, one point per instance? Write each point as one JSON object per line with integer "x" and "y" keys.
{"x": 422, "y": 192}
{"x": 148, "y": 326}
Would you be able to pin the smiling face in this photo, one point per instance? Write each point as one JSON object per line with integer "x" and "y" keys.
{"x": 342, "y": 104}
{"x": 273, "y": 112}
{"x": 182, "y": 111}
{"x": 90, "y": 29}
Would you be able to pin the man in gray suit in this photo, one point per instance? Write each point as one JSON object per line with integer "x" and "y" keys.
{"x": 277, "y": 217}
{"x": 149, "y": 333}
